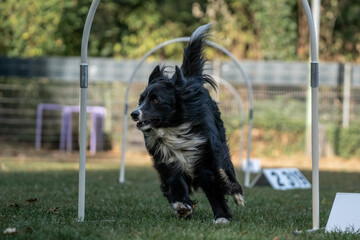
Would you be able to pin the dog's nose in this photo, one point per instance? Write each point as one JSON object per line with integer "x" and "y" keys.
{"x": 135, "y": 115}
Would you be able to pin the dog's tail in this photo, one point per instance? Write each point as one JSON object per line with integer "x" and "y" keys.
{"x": 194, "y": 60}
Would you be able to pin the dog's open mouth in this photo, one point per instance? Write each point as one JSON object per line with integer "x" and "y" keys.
{"x": 145, "y": 123}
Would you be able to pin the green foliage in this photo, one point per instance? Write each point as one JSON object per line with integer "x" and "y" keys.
{"x": 281, "y": 130}
{"x": 28, "y": 28}
{"x": 120, "y": 28}
{"x": 291, "y": 117}
{"x": 276, "y": 130}
{"x": 253, "y": 29}
{"x": 340, "y": 35}
{"x": 345, "y": 141}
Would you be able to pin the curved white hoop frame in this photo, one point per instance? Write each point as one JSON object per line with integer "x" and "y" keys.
{"x": 131, "y": 79}
{"x": 314, "y": 72}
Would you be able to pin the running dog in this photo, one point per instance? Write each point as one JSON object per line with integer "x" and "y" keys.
{"x": 185, "y": 135}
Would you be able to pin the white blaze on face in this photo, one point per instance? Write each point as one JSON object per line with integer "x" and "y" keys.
{"x": 140, "y": 125}
{"x": 140, "y": 111}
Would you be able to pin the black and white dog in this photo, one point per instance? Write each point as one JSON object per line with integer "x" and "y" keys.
{"x": 185, "y": 135}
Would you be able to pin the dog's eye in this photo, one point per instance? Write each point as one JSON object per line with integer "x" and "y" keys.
{"x": 155, "y": 101}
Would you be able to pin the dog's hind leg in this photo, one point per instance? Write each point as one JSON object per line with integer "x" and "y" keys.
{"x": 219, "y": 206}
{"x": 216, "y": 196}
{"x": 234, "y": 188}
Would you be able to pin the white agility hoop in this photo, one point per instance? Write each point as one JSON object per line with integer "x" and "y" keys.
{"x": 131, "y": 79}
{"x": 314, "y": 108}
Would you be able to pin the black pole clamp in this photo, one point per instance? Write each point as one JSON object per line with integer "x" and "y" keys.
{"x": 83, "y": 75}
{"x": 314, "y": 77}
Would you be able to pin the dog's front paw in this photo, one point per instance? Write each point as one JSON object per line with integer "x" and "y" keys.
{"x": 221, "y": 221}
{"x": 183, "y": 210}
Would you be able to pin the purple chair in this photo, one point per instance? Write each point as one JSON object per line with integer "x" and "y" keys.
{"x": 97, "y": 124}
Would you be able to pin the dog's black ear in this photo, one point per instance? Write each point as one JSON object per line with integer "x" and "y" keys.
{"x": 156, "y": 73}
{"x": 178, "y": 78}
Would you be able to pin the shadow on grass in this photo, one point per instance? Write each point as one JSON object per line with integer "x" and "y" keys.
{"x": 137, "y": 209}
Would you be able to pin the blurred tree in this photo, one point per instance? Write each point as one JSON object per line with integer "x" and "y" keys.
{"x": 28, "y": 28}
{"x": 340, "y": 32}
{"x": 252, "y": 29}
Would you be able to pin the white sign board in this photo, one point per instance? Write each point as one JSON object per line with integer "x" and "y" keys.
{"x": 286, "y": 178}
{"x": 345, "y": 213}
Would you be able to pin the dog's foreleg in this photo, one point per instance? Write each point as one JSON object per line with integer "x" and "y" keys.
{"x": 180, "y": 199}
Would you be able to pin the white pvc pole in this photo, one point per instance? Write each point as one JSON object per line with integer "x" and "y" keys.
{"x": 83, "y": 106}
{"x": 314, "y": 115}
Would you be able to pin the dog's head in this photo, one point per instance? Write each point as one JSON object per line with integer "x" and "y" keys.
{"x": 165, "y": 100}
{"x": 160, "y": 104}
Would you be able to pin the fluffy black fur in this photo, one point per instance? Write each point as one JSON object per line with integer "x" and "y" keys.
{"x": 185, "y": 135}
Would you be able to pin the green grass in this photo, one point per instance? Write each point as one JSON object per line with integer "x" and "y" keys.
{"x": 137, "y": 209}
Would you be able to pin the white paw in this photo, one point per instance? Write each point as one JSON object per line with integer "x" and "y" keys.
{"x": 183, "y": 210}
{"x": 221, "y": 221}
{"x": 239, "y": 199}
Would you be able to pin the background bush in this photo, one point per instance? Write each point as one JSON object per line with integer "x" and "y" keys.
{"x": 252, "y": 29}
{"x": 346, "y": 141}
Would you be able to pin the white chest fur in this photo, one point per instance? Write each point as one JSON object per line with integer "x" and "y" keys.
{"x": 177, "y": 146}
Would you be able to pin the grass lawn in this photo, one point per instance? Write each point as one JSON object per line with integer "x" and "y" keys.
{"x": 39, "y": 199}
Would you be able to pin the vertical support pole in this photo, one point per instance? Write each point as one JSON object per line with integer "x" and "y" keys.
{"x": 83, "y": 108}
{"x": 315, "y": 4}
{"x": 248, "y": 162}
{"x": 315, "y": 144}
{"x": 123, "y": 146}
{"x": 82, "y": 161}
{"x": 347, "y": 92}
{"x": 308, "y": 120}
{"x": 314, "y": 114}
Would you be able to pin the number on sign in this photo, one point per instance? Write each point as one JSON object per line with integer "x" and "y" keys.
{"x": 301, "y": 178}
{"x": 277, "y": 178}
{"x": 289, "y": 176}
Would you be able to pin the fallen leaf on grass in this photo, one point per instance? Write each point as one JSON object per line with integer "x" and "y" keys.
{"x": 54, "y": 210}
{"x": 9, "y": 231}
{"x": 31, "y": 200}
